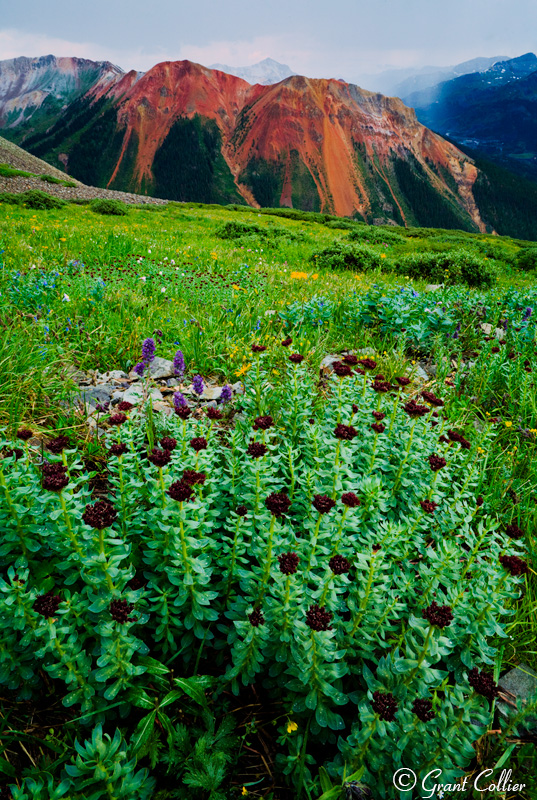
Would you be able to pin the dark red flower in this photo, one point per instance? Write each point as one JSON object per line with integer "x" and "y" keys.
{"x": 423, "y": 709}
{"x": 453, "y": 436}
{"x": 287, "y": 342}
{"x": 378, "y": 427}
{"x": 256, "y": 618}
{"x": 439, "y": 616}
{"x": 514, "y": 531}
{"x": 350, "y": 499}
{"x": 117, "y": 419}
{"x": 159, "y": 457}
{"x": 318, "y": 619}
{"x": 242, "y": 511}
{"x": 24, "y": 434}
{"x": 263, "y": 423}
{"x": 341, "y": 369}
{"x": 379, "y": 415}
{"x": 345, "y": 432}
{"x": 214, "y": 413}
{"x": 192, "y": 477}
{"x": 514, "y": 564}
{"x": 120, "y": 610}
{"x": 385, "y": 705}
{"x": 367, "y": 363}
{"x": 257, "y": 449}
{"x": 428, "y": 506}
{"x": 180, "y": 491}
{"x": 354, "y": 408}
{"x": 339, "y": 565}
{"x": 278, "y": 503}
{"x": 124, "y": 405}
{"x": 296, "y": 358}
{"x": 351, "y": 360}
{"x": 100, "y": 515}
{"x": 432, "y": 399}
{"x": 479, "y": 501}
{"x": 47, "y": 604}
{"x": 436, "y": 462}
{"x": 323, "y": 503}
{"x": 414, "y": 410}
{"x": 58, "y": 444}
{"x": 403, "y": 381}
{"x": 182, "y": 411}
{"x": 258, "y": 348}
{"x": 55, "y": 480}
{"x": 288, "y": 563}
{"x": 13, "y": 452}
{"x": 483, "y": 683}
{"x": 168, "y": 443}
{"x": 118, "y": 449}
{"x": 381, "y": 386}
{"x": 198, "y": 443}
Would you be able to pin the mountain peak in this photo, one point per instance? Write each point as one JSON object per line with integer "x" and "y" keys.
{"x": 265, "y": 72}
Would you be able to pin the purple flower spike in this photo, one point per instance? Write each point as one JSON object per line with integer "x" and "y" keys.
{"x": 527, "y": 314}
{"x": 179, "y": 400}
{"x": 179, "y": 364}
{"x": 148, "y": 350}
{"x": 139, "y": 368}
{"x": 197, "y": 384}
{"x": 227, "y": 393}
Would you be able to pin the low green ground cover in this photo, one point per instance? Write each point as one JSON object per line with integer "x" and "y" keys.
{"x": 204, "y": 627}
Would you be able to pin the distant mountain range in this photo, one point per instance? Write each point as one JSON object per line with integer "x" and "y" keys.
{"x": 493, "y": 112}
{"x": 185, "y": 132}
{"x": 264, "y": 72}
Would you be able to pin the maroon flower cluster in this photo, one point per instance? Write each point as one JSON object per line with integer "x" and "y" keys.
{"x": 385, "y": 705}
{"x": 118, "y": 449}
{"x": 47, "y": 604}
{"x": 453, "y": 436}
{"x": 341, "y": 369}
{"x": 514, "y": 531}
{"x": 287, "y": 342}
{"x": 100, "y": 515}
{"x": 423, "y": 709}
{"x": 350, "y": 499}
{"x": 159, "y": 457}
{"x": 415, "y": 410}
{"x": 428, "y": 506}
{"x": 483, "y": 683}
{"x": 256, "y": 618}
{"x": 367, "y": 363}
{"x": 323, "y": 504}
{"x": 381, "y": 386}
{"x": 288, "y": 563}
{"x": 345, "y": 432}
{"x": 436, "y": 462}
{"x": 117, "y": 419}
{"x": 257, "y": 449}
{"x": 180, "y": 491}
{"x": 378, "y": 427}
{"x": 515, "y": 565}
{"x": 263, "y": 423}
{"x": 318, "y": 619}
{"x": 24, "y": 434}
{"x": 278, "y": 503}
{"x": 214, "y": 413}
{"x": 120, "y": 610}
{"x": 296, "y": 358}
{"x": 242, "y": 511}
{"x": 124, "y": 405}
{"x": 350, "y": 359}
{"x": 168, "y": 443}
{"x": 339, "y": 564}
{"x": 439, "y": 616}
{"x": 57, "y": 445}
{"x": 403, "y": 381}
{"x": 198, "y": 443}
{"x": 432, "y": 399}
{"x": 55, "y": 476}
{"x": 191, "y": 477}
{"x": 182, "y": 411}
{"x": 379, "y": 415}
{"x": 258, "y": 348}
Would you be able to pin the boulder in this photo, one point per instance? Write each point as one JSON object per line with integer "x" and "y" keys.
{"x": 161, "y": 368}
{"x": 519, "y": 684}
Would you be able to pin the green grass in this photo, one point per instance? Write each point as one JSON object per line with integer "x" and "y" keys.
{"x": 80, "y": 290}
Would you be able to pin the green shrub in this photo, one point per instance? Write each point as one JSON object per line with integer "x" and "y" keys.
{"x": 370, "y": 233}
{"x": 236, "y": 230}
{"x": 455, "y": 266}
{"x": 10, "y": 197}
{"x": 35, "y": 198}
{"x": 57, "y": 181}
{"x": 10, "y": 172}
{"x": 344, "y": 256}
{"x": 526, "y": 259}
{"x": 103, "y": 205}
{"x": 341, "y": 225}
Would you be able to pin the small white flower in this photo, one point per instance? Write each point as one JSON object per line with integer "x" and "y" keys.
{"x": 143, "y": 278}
{"x": 161, "y": 272}
{"x": 163, "y": 289}
{"x": 66, "y": 299}
{"x": 149, "y": 251}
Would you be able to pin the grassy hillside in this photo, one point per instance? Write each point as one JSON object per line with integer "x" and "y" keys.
{"x": 254, "y": 611}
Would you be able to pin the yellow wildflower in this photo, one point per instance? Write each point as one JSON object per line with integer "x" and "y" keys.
{"x": 508, "y": 424}
{"x": 244, "y": 791}
{"x": 291, "y": 726}
{"x": 383, "y": 255}
{"x": 299, "y": 276}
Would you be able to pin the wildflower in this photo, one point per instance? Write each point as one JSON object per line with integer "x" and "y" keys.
{"x": 197, "y": 384}
{"x": 179, "y": 400}
{"x": 47, "y": 604}
{"x": 453, "y": 436}
{"x": 378, "y": 427}
{"x": 428, "y": 506}
{"x": 514, "y": 531}
{"x": 339, "y": 565}
{"x": 139, "y": 369}
{"x": 514, "y": 564}
{"x": 226, "y": 394}
{"x": 258, "y": 348}
{"x": 318, "y": 619}
{"x": 182, "y": 411}
{"x": 263, "y": 423}
{"x": 288, "y": 563}
{"x": 278, "y": 503}
{"x": 244, "y": 791}
{"x": 242, "y": 511}
{"x": 287, "y": 342}
{"x": 403, "y": 381}
{"x": 385, "y": 705}
{"x": 192, "y": 477}
{"x": 148, "y": 350}
{"x": 24, "y": 434}
{"x": 439, "y": 616}
{"x": 159, "y": 457}
{"x": 55, "y": 479}
{"x": 350, "y": 499}
{"x": 381, "y": 386}
{"x": 13, "y": 452}
{"x": 299, "y": 276}
{"x": 479, "y": 501}
{"x": 436, "y": 462}
{"x": 58, "y": 444}
{"x": 179, "y": 364}
{"x": 180, "y": 491}
{"x": 100, "y": 515}
{"x": 345, "y": 432}
{"x": 367, "y": 363}
{"x": 296, "y": 358}
{"x": 342, "y": 370}
{"x": 350, "y": 359}
{"x": 120, "y": 610}
{"x": 483, "y": 683}
{"x": 257, "y": 450}
{"x": 379, "y": 415}
{"x": 168, "y": 443}
{"x": 118, "y": 449}
{"x": 214, "y": 413}
{"x": 256, "y": 618}
{"x": 507, "y": 423}
{"x": 117, "y": 419}
{"x": 323, "y": 503}
{"x": 198, "y": 443}
{"x": 66, "y": 299}
{"x": 432, "y": 399}
{"x": 423, "y": 709}
{"x": 291, "y": 726}
{"x": 415, "y": 410}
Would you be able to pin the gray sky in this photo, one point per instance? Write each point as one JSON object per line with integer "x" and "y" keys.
{"x": 342, "y": 38}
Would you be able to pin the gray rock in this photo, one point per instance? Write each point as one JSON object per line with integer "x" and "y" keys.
{"x": 134, "y": 394}
{"x": 211, "y": 393}
{"x": 162, "y": 407}
{"x": 94, "y": 395}
{"x": 161, "y": 368}
{"x": 486, "y": 327}
{"x": 366, "y": 351}
{"x": 237, "y": 388}
{"x": 432, "y": 287}
{"x": 519, "y": 684}
{"x": 114, "y": 375}
{"x": 328, "y": 362}
{"x": 417, "y": 372}
{"x": 173, "y": 382}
